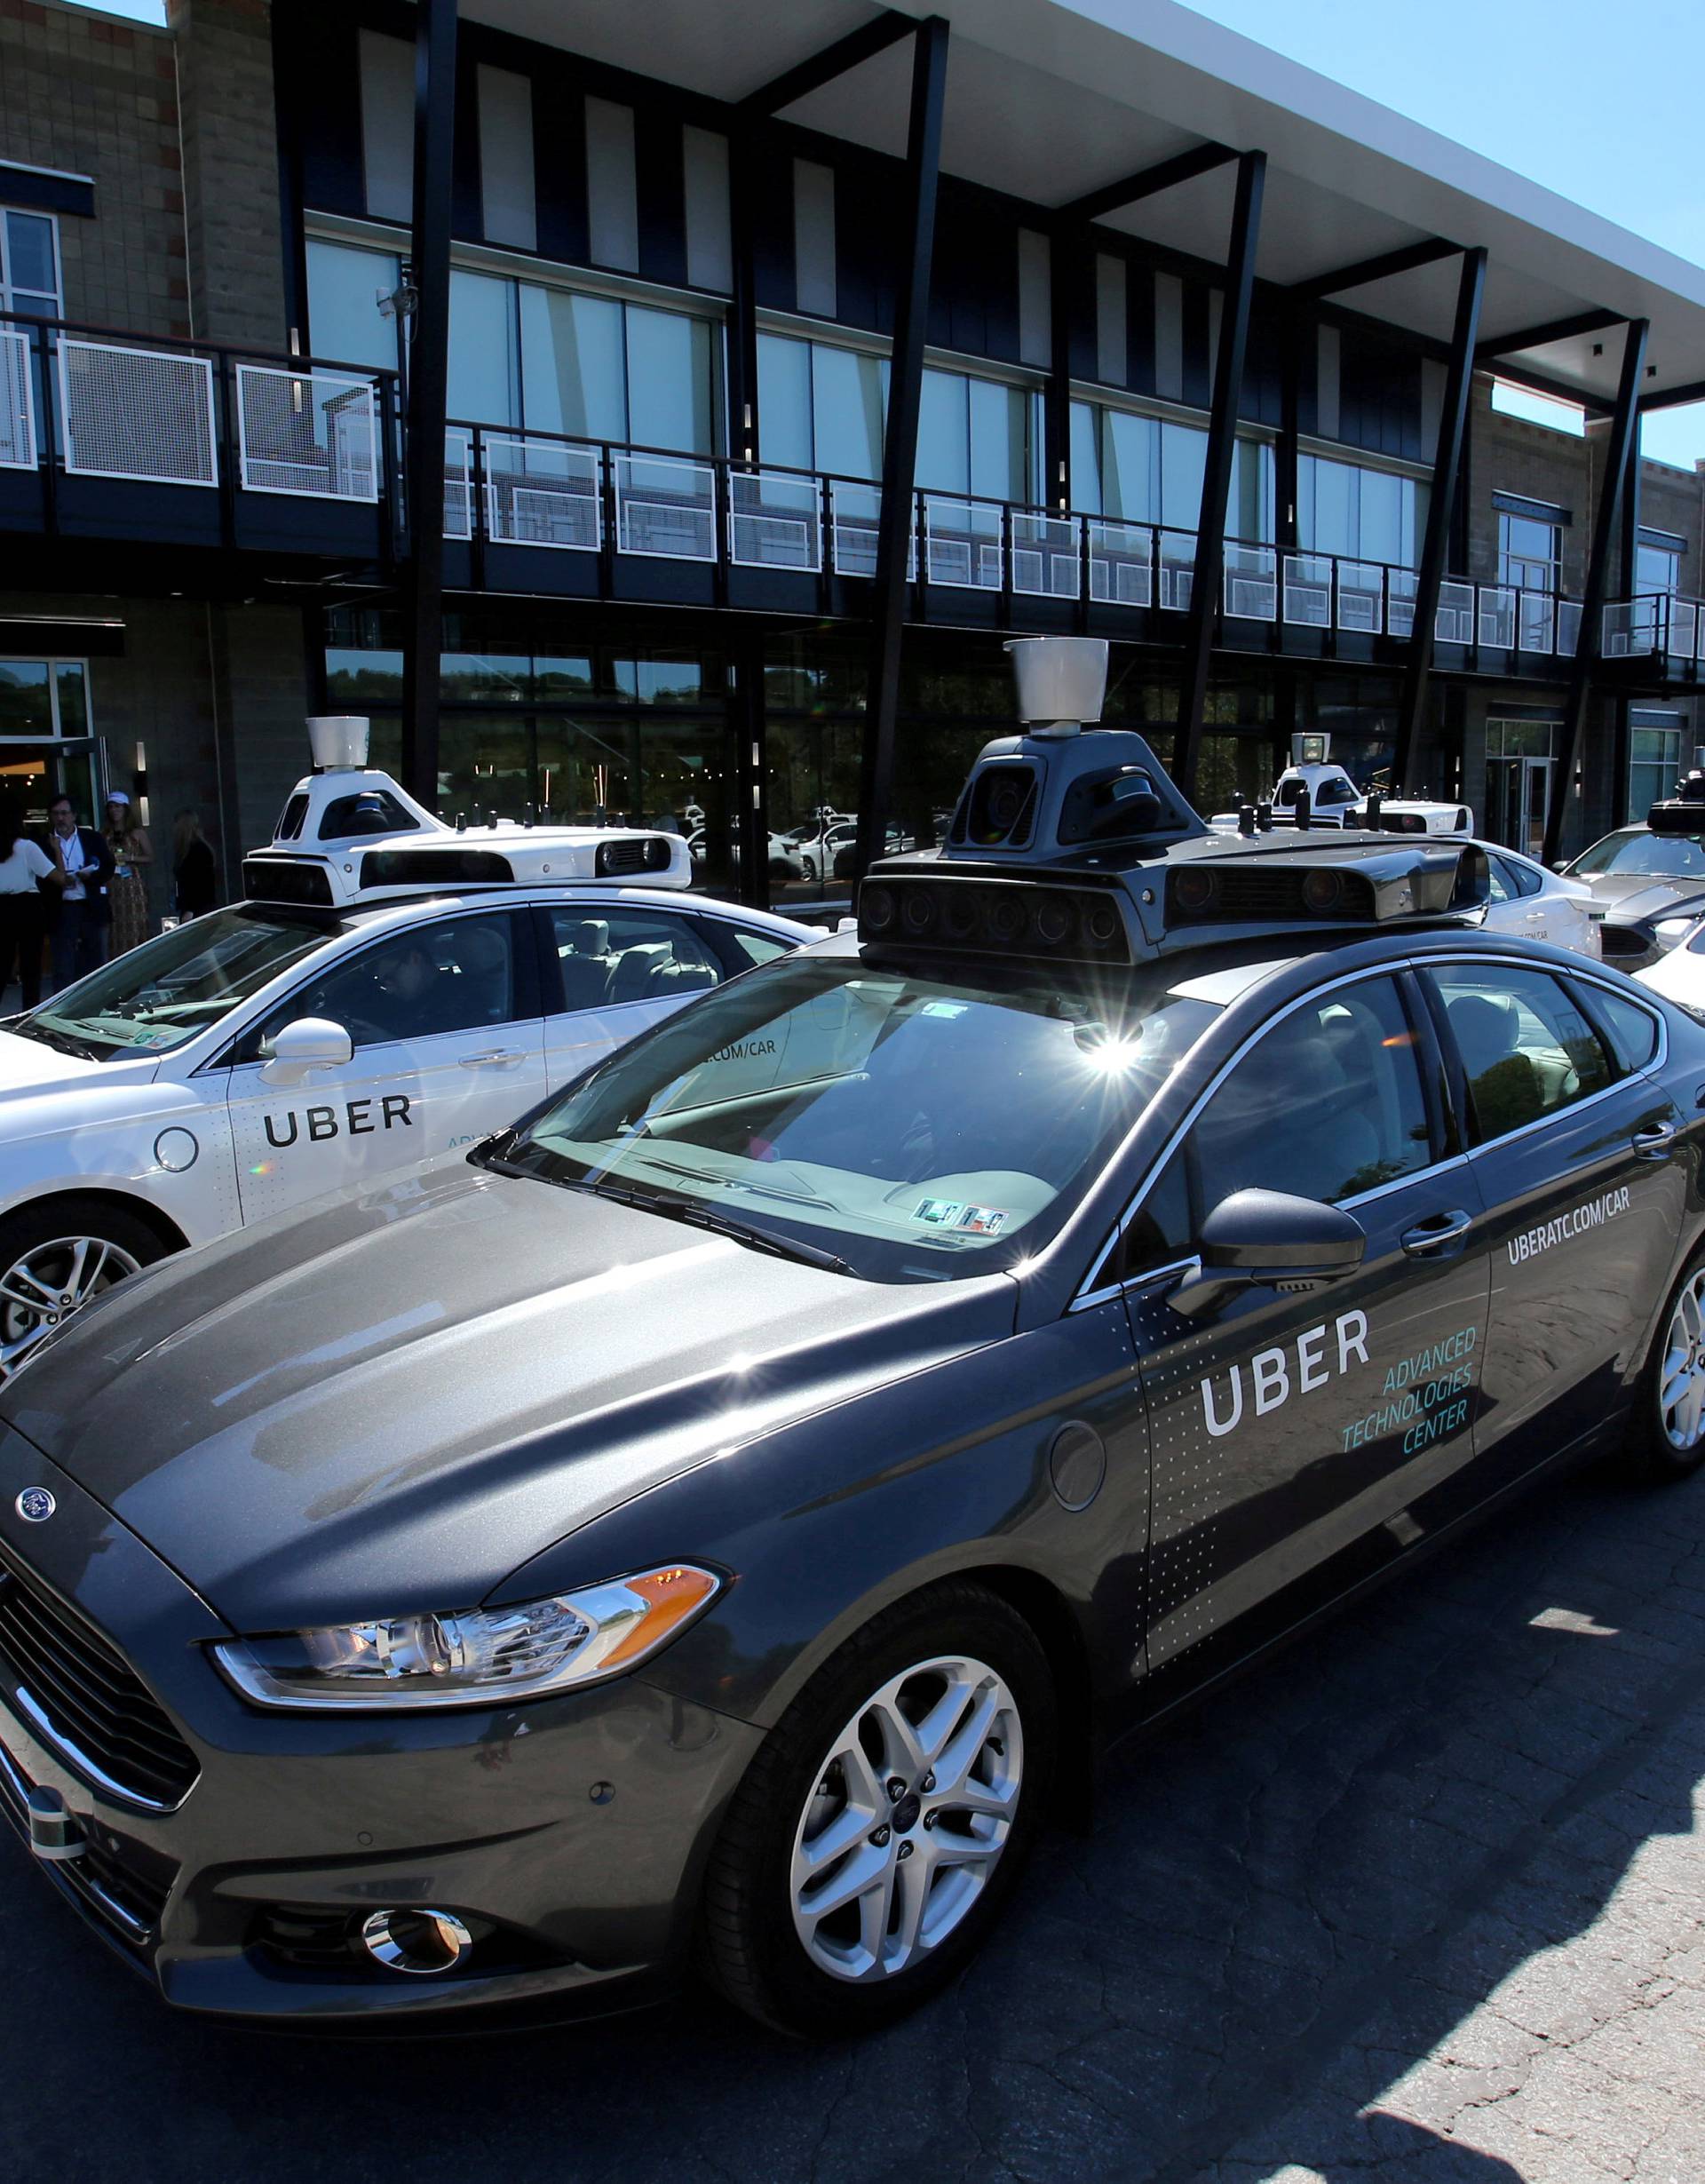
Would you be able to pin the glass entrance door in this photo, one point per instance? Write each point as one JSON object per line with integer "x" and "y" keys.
{"x": 34, "y": 772}
{"x": 1519, "y": 763}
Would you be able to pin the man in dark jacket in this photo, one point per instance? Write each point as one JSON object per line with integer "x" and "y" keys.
{"x": 78, "y": 921}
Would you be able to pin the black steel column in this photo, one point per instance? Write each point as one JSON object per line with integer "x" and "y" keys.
{"x": 1619, "y": 455}
{"x": 899, "y": 443}
{"x": 1063, "y": 252}
{"x": 1217, "y": 467}
{"x": 743, "y": 306}
{"x": 429, "y": 364}
{"x": 1623, "y": 747}
{"x": 1435, "y": 548}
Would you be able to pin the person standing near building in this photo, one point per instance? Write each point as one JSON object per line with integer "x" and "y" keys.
{"x": 77, "y": 926}
{"x": 24, "y": 865}
{"x": 193, "y": 869}
{"x": 128, "y": 891}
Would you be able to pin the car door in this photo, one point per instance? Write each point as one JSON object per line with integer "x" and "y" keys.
{"x": 613, "y": 968}
{"x": 443, "y": 1017}
{"x": 1288, "y": 1430}
{"x": 1573, "y": 1147}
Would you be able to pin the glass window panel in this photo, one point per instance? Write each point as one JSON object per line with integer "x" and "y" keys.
{"x": 1527, "y": 1050}
{"x": 1000, "y": 450}
{"x": 849, "y": 399}
{"x": 1184, "y": 456}
{"x": 1655, "y": 569}
{"x": 944, "y": 433}
{"x": 1334, "y": 507}
{"x": 659, "y": 679}
{"x": 355, "y": 680}
{"x": 1086, "y": 461}
{"x": 72, "y": 679}
{"x": 482, "y": 677}
{"x": 29, "y": 245}
{"x": 784, "y": 401}
{"x": 1381, "y": 535}
{"x": 26, "y": 707}
{"x": 1250, "y": 514}
{"x": 343, "y": 322}
{"x": 429, "y": 981}
{"x": 483, "y": 375}
{"x": 1130, "y": 456}
{"x": 572, "y": 369}
{"x": 562, "y": 676}
{"x": 669, "y": 381}
{"x": 485, "y": 763}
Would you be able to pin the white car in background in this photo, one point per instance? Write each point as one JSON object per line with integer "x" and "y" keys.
{"x": 391, "y": 987}
{"x": 1533, "y": 904}
{"x": 1679, "y": 973}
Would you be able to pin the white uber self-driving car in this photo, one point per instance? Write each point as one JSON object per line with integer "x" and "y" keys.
{"x": 391, "y": 988}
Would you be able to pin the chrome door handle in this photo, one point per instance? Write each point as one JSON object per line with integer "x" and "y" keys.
{"x": 1655, "y": 1140}
{"x": 1431, "y": 1234}
{"x": 492, "y": 1060}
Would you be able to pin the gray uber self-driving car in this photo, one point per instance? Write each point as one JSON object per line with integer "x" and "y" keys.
{"x": 723, "y": 1514}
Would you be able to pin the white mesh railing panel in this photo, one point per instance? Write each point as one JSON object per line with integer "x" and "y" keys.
{"x": 962, "y": 543}
{"x": 1178, "y": 570}
{"x": 308, "y": 432}
{"x": 854, "y": 517}
{"x": 1568, "y": 627}
{"x": 1308, "y": 591}
{"x": 17, "y": 415}
{"x": 1536, "y": 621}
{"x": 539, "y": 493}
{"x": 1251, "y": 582}
{"x": 1402, "y": 585}
{"x": 458, "y": 482}
{"x": 664, "y": 508}
{"x": 1045, "y": 562}
{"x": 1684, "y": 629}
{"x": 137, "y": 413}
{"x": 1122, "y": 564}
{"x": 774, "y": 521}
{"x": 1498, "y": 617}
{"x": 1361, "y": 598}
{"x": 1453, "y": 623}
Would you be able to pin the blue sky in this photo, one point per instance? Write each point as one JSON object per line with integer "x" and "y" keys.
{"x": 1601, "y": 105}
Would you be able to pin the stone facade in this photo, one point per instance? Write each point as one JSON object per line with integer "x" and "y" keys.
{"x": 231, "y": 169}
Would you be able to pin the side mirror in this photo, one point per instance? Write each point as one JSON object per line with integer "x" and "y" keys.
{"x": 310, "y": 1043}
{"x": 1267, "y": 1239}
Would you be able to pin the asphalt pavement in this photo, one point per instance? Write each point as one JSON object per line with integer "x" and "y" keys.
{"x": 1419, "y": 1901}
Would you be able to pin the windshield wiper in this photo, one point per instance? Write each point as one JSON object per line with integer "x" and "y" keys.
{"x": 61, "y": 1042}
{"x": 696, "y": 1215}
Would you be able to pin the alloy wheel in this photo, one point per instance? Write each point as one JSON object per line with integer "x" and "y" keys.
{"x": 41, "y": 1290}
{"x": 912, "y": 1808}
{"x": 1681, "y": 1379}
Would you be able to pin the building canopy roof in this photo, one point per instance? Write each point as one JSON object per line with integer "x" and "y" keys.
{"x": 1052, "y": 102}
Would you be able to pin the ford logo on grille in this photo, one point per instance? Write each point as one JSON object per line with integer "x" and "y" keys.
{"x": 36, "y": 1505}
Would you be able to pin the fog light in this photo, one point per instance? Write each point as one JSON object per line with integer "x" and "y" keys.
{"x": 422, "y": 1942}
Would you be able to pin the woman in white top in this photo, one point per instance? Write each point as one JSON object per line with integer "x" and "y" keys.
{"x": 23, "y": 921}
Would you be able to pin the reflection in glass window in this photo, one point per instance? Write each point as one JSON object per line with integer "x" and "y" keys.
{"x": 572, "y": 364}
{"x": 1527, "y": 1049}
{"x": 26, "y": 698}
{"x": 1654, "y": 756}
{"x": 1342, "y": 1071}
{"x": 1530, "y": 552}
{"x": 29, "y": 272}
{"x": 849, "y": 400}
{"x": 345, "y": 324}
{"x": 356, "y": 681}
{"x": 1137, "y": 469}
{"x": 668, "y": 380}
{"x": 485, "y": 380}
{"x": 71, "y": 694}
{"x": 1366, "y": 514}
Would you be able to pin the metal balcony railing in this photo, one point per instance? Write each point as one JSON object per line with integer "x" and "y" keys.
{"x": 1658, "y": 626}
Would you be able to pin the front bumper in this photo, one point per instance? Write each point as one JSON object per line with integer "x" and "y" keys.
{"x": 570, "y": 1832}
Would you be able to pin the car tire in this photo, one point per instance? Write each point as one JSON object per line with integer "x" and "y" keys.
{"x": 1665, "y": 1441}
{"x": 39, "y": 1256}
{"x": 958, "y": 1655}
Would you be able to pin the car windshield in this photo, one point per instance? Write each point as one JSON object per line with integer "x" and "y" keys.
{"x": 155, "y": 997}
{"x": 1664, "y": 856}
{"x": 906, "y": 1126}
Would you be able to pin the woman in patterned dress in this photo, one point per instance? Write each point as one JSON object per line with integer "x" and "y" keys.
{"x": 128, "y": 891}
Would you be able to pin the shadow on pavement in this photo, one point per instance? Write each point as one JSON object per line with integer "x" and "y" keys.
{"x": 1291, "y": 1900}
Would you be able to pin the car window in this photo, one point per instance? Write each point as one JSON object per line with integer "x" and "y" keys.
{"x": 1527, "y": 1050}
{"x": 1527, "y": 878}
{"x": 1680, "y": 857}
{"x": 1501, "y": 878}
{"x": 754, "y": 946}
{"x": 610, "y": 955}
{"x": 454, "y": 975}
{"x": 1329, "y": 1103}
{"x": 1632, "y": 1030}
{"x": 1158, "y": 1233}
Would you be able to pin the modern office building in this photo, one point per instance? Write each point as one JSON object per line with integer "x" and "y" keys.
{"x": 667, "y": 410}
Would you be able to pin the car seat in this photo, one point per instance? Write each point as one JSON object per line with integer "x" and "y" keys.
{"x": 1505, "y": 1085}
{"x": 480, "y": 985}
{"x": 583, "y": 948}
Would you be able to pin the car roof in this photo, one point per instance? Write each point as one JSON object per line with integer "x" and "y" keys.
{"x": 398, "y": 910}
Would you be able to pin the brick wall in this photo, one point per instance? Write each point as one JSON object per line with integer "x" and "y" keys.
{"x": 224, "y": 57}
{"x": 92, "y": 96}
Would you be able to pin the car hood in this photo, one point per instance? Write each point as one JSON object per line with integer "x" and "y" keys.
{"x": 1632, "y": 897}
{"x": 390, "y": 1402}
{"x": 28, "y": 1066}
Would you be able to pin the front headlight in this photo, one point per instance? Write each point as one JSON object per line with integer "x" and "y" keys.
{"x": 1668, "y": 932}
{"x": 487, "y": 1656}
